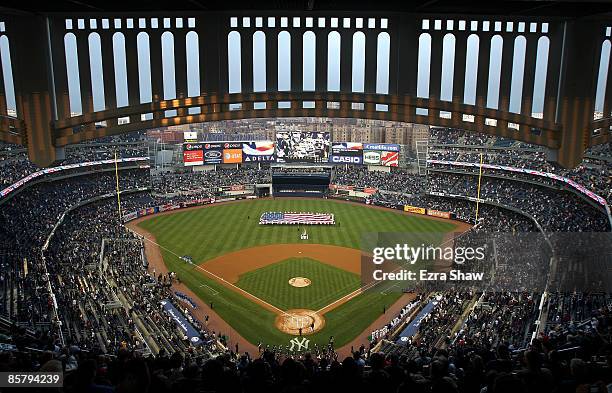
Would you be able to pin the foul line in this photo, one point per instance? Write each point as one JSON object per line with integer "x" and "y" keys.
{"x": 221, "y": 279}
{"x": 212, "y": 290}
{"x": 278, "y": 310}
{"x": 374, "y": 283}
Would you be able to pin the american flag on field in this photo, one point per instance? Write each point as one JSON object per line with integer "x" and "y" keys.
{"x": 282, "y": 218}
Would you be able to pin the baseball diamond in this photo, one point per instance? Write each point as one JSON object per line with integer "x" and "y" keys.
{"x": 205, "y": 196}
{"x": 250, "y": 270}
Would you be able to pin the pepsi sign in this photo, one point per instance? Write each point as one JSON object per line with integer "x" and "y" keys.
{"x": 232, "y": 145}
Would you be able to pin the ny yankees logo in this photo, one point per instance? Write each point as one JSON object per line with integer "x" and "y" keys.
{"x": 299, "y": 343}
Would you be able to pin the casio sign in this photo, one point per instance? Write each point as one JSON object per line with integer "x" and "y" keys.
{"x": 346, "y": 160}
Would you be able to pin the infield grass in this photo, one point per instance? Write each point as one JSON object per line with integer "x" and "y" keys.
{"x": 271, "y": 283}
{"x": 216, "y": 230}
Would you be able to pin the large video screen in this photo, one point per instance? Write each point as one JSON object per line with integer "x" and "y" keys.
{"x": 302, "y": 146}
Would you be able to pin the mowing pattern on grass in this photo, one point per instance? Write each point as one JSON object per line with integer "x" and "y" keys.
{"x": 271, "y": 284}
{"x": 206, "y": 233}
{"x": 216, "y": 230}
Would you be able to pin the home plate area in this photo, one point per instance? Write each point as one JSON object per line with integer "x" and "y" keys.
{"x": 292, "y": 321}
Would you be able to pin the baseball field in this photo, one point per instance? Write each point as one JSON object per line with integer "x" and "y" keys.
{"x": 270, "y": 285}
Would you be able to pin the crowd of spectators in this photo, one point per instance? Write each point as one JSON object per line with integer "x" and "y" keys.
{"x": 495, "y": 348}
{"x": 168, "y": 183}
{"x": 14, "y": 162}
{"x": 467, "y": 365}
{"x": 500, "y": 318}
{"x": 398, "y": 180}
{"x": 99, "y": 273}
{"x": 27, "y": 219}
{"x": 554, "y": 210}
{"x": 117, "y": 337}
{"x": 437, "y": 325}
{"x": 594, "y": 172}
{"x": 106, "y": 301}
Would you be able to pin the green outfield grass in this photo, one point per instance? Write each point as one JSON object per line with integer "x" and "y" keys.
{"x": 212, "y": 231}
{"x": 271, "y": 283}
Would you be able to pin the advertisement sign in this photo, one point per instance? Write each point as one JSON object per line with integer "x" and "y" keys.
{"x": 347, "y": 157}
{"x": 228, "y": 152}
{"x": 372, "y": 157}
{"x": 346, "y": 146}
{"x": 389, "y": 158}
{"x": 192, "y": 146}
{"x": 340, "y": 187}
{"x": 347, "y": 153}
{"x": 298, "y": 146}
{"x": 232, "y": 156}
{"x": 213, "y": 153}
{"x": 130, "y": 216}
{"x": 258, "y": 151}
{"x": 414, "y": 209}
{"x": 190, "y": 136}
{"x": 438, "y": 213}
{"x": 232, "y": 145}
{"x": 237, "y": 187}
{"x": 381, "y": 147}
{"x": 384, "y": 154}
{"x": 193, "y": 157}
{"x": 187, "y": 328}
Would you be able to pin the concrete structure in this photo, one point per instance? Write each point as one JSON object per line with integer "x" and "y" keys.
{"x": 43, "y": 122}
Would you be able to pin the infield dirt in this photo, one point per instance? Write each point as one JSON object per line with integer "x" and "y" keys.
{"x": 253, "y": 258}
{"x": 256, "y": 257}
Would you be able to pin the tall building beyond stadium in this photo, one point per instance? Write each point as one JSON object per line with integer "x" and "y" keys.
{"x": 306, "y": 196}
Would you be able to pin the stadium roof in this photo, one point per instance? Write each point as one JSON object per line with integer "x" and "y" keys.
{"x": 553, "y": 8}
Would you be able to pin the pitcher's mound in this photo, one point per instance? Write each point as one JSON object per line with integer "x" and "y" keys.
{"x": 292, "y": 320}
{"x": 299, "y": 282}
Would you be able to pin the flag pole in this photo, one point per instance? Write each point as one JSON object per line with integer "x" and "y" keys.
{"x": 118, "y": 191}
{"x": 478, "y": 196}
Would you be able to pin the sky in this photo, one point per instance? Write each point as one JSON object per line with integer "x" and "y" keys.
{"x": 309, "y": 63}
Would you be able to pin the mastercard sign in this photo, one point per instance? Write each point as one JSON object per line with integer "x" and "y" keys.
{"x": 232, "y": 156}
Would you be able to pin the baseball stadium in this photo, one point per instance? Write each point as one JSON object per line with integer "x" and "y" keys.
{"x": 306, "y": 196}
